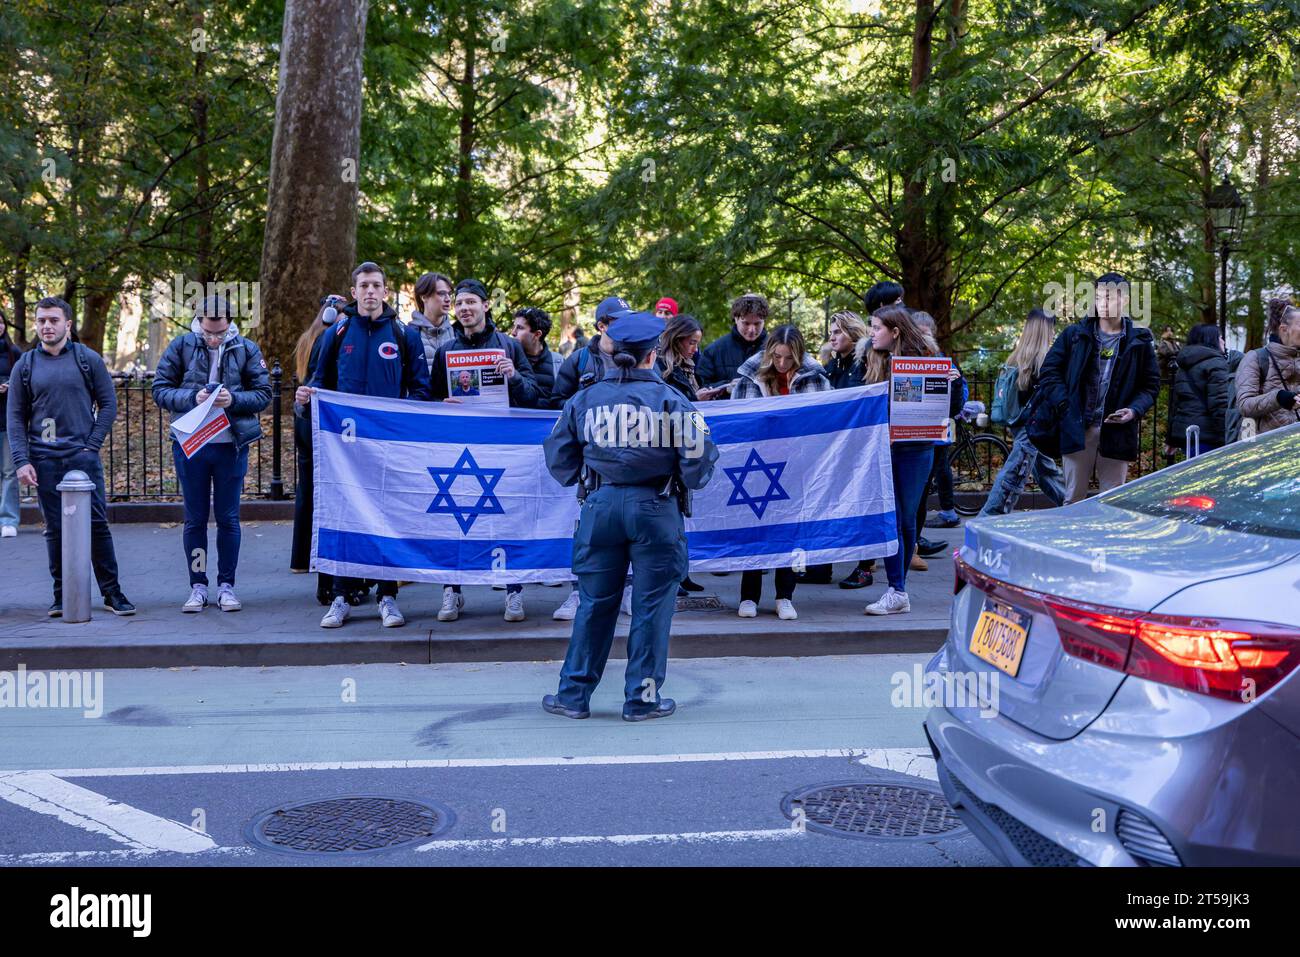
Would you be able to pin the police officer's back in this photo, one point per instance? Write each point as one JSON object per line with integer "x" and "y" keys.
{"x": 638, "y": 448}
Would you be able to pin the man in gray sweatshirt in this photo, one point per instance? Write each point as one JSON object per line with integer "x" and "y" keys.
{"x": 54, "y": 428}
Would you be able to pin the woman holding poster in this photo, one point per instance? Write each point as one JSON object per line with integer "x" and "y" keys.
{"x": 905, "y": 356}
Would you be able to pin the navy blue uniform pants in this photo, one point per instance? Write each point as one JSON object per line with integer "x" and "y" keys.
{"x": 618, "y": 524}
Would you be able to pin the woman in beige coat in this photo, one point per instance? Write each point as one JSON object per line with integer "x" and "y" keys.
{"x": 1267, "y": 388}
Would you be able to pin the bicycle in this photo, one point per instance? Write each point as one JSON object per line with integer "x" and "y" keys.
{"x": 975, "y": 458}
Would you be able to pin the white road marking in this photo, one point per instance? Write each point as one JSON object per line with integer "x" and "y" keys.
{"x": 424, "y": 763}
{"x": 94, "y": 857}
{"x": 621, "y": 840}
{"x": 44, "y": 793}
{"x": 918, "y": 762}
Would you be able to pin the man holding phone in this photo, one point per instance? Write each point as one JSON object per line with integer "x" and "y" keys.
{"x": 1098, "y": 380}
{"x": 213, "y": 357}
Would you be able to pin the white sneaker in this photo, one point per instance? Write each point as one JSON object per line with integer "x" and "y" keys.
{"x": 515, "y": 606}
{"x": 9, "y": 531}
{"x": 748, "y": 609}
{"x": 388, "y": 613}
{"x": 569, "y": 610}
{"x": 452, "y": 602}
{"x": 226, "y": 599}
{"x": 337, "y": 614}
{"x": 785, "y": 609}
{"x": 197, "y": 601}
{"x": 625, "y": 607}
{"x": 890, "y": 603}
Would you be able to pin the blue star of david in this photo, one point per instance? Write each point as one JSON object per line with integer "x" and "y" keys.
{"x": 755, "y": 463}
{"x": 487, "y": 504}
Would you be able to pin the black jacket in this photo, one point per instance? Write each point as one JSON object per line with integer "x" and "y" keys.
{"x": 720, "y": 359}
{"x": 1199, "y": 396}
{"x": 9, "y": 354}
{"x": 678, "y": 379}
{"x": 183, "y": 372}
{"x": 545, "y": 368}
{"x": 587, "y": 361}
{"x": 845, "y": 373}
{"x": 523, "y": 387}
{"x": 1058, "y": 419}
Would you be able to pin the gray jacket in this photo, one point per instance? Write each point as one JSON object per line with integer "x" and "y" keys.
{"x": 432, "y": 337}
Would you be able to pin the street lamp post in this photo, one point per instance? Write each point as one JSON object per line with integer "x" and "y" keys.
{"x": 1226, "y": 210}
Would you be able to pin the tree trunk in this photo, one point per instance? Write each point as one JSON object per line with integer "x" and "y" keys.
{"x": 465, "y": 153}
{"x": 309, "y": 247}
{"x": 1209, "y": 291}
{"x": 94, "y": 317}
{"x": 18, "y": 321}
{"x": 1255, "y": 315}
{"x": 203, "y": 270}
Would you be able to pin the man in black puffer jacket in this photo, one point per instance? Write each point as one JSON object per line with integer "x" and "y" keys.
{"x": 719, "y": 360}
{"x": 1098, "y": 380}
{"x": 475, "y": 330}
{"x": 1200, "y": 391}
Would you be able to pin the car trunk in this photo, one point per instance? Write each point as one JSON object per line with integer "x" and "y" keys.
{"x": 1089, "y": 555}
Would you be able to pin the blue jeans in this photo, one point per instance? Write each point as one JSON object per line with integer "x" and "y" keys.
{"x": 212, "y": 479}
{"x": 8, "y": 484}
{"x": 49, "y": 473}
{"x": 1010, "y": 482}
{"x": 911, "y": 468}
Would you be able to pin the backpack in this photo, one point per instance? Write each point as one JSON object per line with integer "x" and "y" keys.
{"x": 24, "y": 368}
{"x": 583, "y": 358}
{"x": 1006, "y": 396}
{"x": 1245, "y": 427}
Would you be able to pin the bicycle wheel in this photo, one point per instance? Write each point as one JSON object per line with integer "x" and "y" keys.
{"x": 975, "y": 464}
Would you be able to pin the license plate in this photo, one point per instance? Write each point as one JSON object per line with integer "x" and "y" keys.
{"x": 1000, "y": 635}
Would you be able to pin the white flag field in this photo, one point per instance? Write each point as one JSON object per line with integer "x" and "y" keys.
{"x": 434, "y": 492}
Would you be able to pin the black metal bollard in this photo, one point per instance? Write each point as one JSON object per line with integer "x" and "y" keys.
{"x": 277, "y": 480}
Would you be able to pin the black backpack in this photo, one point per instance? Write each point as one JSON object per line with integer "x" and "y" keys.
{"x": 24, "y": 370}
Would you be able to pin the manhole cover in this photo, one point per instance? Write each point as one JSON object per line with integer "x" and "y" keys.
{"x": 357, "y": 824}
{"x": 705, "y": 603}
{"x": 873, "y": 811}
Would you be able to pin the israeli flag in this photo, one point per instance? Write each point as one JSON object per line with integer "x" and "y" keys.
{"x": 431, "y": 492}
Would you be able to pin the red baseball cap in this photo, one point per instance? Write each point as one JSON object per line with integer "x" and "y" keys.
{"x": 670, "y": 303}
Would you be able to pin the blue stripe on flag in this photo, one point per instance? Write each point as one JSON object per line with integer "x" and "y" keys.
{"x": 361, "y": 548}
{"x": 529, "y": 430}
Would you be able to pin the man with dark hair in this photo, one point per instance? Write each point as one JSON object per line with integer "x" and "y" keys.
{"x": 213, "y": 357}
{"x": 1098, "y": 380}
{"x": 715, "y": 369}
{"x": 882, "y": 294}
{"x": 54, "y": 428}
{"x": 475, "y": 330}
{"x": 368, "y": 352}
{"x": 531, "y": 327}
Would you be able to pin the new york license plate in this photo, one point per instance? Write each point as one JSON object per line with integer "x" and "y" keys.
{"x": 1000, "y": 635}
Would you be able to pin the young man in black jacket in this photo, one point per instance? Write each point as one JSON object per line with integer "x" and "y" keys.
{"x": 1098, "y": 380}
{"x": 530, "y": 329}
{"x": 716, "y": 367}
{"x": 54, "y": 428}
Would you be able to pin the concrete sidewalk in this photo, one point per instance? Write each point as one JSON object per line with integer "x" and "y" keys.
{"x": 279, "y": 623}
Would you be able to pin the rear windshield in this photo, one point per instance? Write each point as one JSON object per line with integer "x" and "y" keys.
{"x": 1249, "y": 486}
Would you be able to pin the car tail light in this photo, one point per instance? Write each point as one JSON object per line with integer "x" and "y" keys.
{"x": 1234, "y": 660}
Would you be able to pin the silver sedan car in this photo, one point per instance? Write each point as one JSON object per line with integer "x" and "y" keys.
{"x": 1119, "y": 685}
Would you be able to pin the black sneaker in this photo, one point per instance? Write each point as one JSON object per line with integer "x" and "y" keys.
{"x": 56, "y": 609}
{"x": 689, "y": 585}
{"x": 118, "y": 605}
{"x": 817, "y": 575}
{"x": 552, "y": 706}
{"x": 928, "y": 548}
{"x": 665, "y": 707}
{"x": 858, "y": 578}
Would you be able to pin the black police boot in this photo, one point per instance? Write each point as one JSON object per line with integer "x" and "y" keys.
{"x": 691, "y": 585}
{"x": 118, "y": 605}
{"x": 551, "y": 705}
{"x": 928, "y": 547}
{"x": 665, "y": 707}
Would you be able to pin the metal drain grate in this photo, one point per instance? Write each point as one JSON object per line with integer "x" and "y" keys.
{"x": 703, "y": 603}
{"x": 356, "y": 824}
{"x": 873, "y": 811}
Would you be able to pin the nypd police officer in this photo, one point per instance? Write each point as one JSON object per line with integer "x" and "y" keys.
{"x": 638, "y": 448}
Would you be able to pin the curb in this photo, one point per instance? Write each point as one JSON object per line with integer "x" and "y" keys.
{"x": 421, "y": 647}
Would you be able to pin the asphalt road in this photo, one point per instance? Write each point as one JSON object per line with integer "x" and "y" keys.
{"x": 179, "y": 762}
